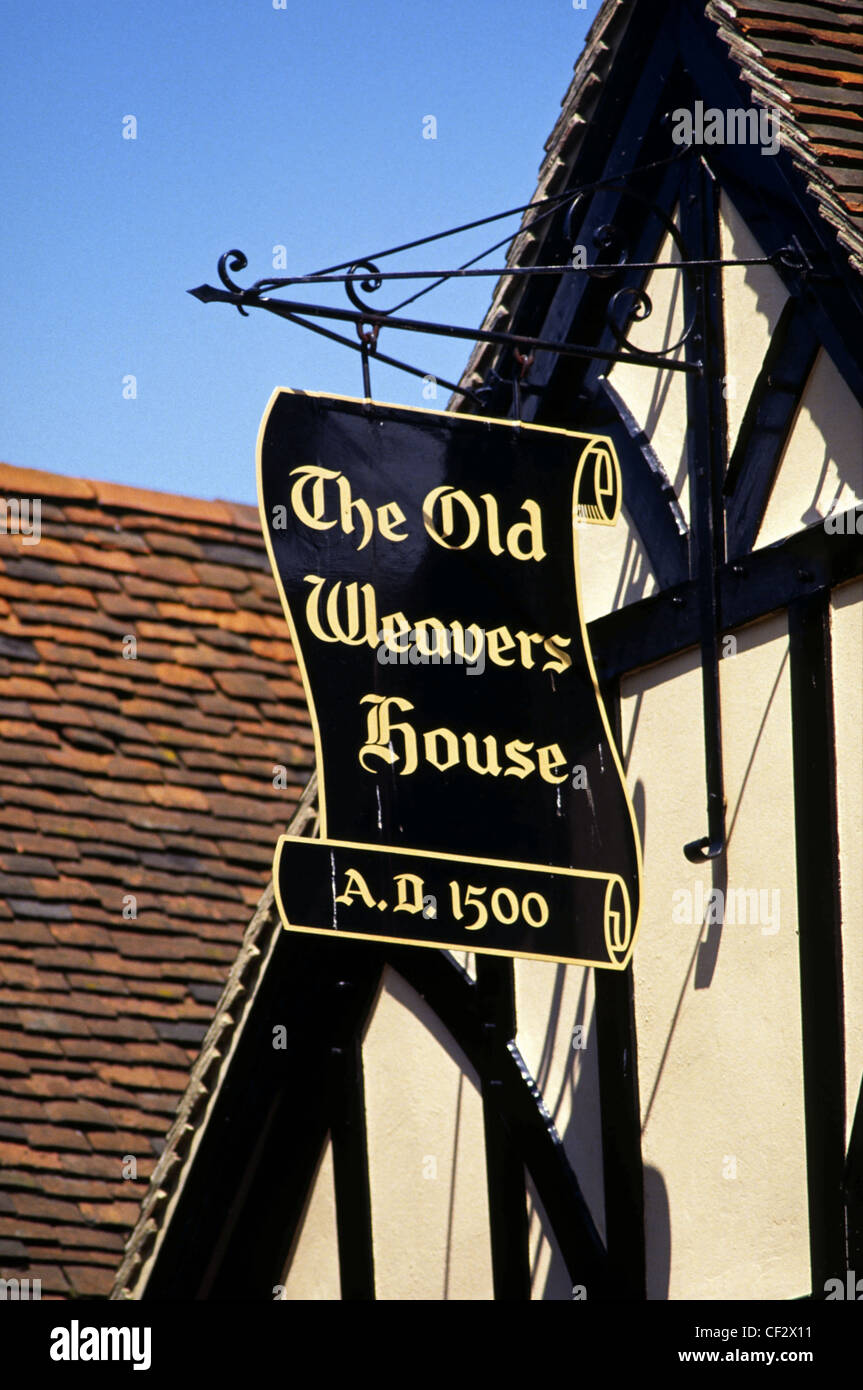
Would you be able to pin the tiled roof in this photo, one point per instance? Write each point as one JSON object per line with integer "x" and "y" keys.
{"x": 806, "y": 59}
{"x": 150, "y": 776}
{"x": 208, "y": 1073}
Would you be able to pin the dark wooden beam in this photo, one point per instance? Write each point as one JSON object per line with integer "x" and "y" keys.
{"x": 242, "y": 1201}
{"x": 351, "y": 1167}
{"x": 819, "y": 926}
{"x": 620, "y": 1106}
{"x": 766, "y": 427}
{"x": 649, "y": 496}
{"x": 765, "y": 582}
{"x": 507, "y": 1197}
{"x": 636, "y": 131}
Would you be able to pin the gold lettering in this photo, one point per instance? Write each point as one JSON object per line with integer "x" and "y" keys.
{"x": 470, "y": 748}
{"x": 430, "y": 744}
{"x": 447, "y": 496}
{"x": 515, "y": 751}
{"x": 337, "y": 632}
{"x": 549, "y": 758}
{"x": 379, "y": 734}
{"x": 498, "y": 641}
{"x": 312, "y": 606}
{"x": 356, "y": 887}
{"x": 477, "y": 642}
{"x": 333, "y": 615}
{"x": 309, "y": 473}
{"x": 440, "y": 649}
{"x": 524, "y": 640}
{"x": 349, "y": 636}
{"x": 494, "y": 544}
{"x": 389, "y": 517}
{"x": 444, "y": 498}
{"x": 404, "y": 904}
{"x": 307, "y": 500}
{"x": 563, "y": 660}
{"x": 532, "y": 528}
{"x": 348, "y": 506}
{"x": 442, "y": 747}
{"x": 394, "y": 627}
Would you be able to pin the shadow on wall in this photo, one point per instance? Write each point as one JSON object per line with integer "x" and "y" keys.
{"x": 578, "y": 1093}
{"x": 657, "y": 1224}
{"x": 583, "y": 1146}
{"x": 833, "y": 410}
{"x": 657, "y": 1220}
{"x": 581, "y": 1138}
{"x": 835, "y": 416}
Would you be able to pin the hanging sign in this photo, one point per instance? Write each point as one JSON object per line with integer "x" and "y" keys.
{"x": 471, "y": 795}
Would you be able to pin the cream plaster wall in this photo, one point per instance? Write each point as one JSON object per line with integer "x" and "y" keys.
{"x": 718, "y": 1004}
{"x": 426, "y": 1166}
{"x": 822, "y": 466}
{"x": 313, "y": 1270}
{"x": 753, "y": 299}
{"x": 614, "y": 567}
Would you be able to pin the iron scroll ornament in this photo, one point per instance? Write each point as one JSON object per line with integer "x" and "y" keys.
{"x": 466, "y": 804}
{"x": 632, "y": 303}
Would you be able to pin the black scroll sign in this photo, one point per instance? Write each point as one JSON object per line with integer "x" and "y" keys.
{"x": 471, "y": 795}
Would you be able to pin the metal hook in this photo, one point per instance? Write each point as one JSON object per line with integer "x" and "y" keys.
{"x": 524, "y": 361}
{"x": 369, "y": 340}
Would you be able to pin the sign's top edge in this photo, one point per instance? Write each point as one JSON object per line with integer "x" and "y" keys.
{"x": 448, "y": 415}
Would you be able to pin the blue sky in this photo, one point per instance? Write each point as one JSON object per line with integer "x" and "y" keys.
{"x": 256, "y": 127}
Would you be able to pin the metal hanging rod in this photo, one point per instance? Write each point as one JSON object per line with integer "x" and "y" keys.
{"x": 289, "y": 309}
{"x": 599, "y": 270}
{"x": 626, "y": 304}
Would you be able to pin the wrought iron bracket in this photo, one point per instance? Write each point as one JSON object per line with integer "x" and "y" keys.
{"x": 627, "y": 303}
{"x": 257, "y": 297}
